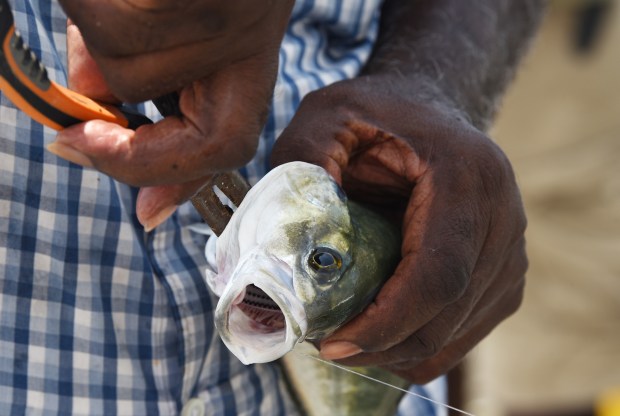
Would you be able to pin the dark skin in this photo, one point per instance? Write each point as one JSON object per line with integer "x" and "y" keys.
{"x": 158, "y": 46}
{"x": 406, "y": 137}
{"x": 221, "y": 58}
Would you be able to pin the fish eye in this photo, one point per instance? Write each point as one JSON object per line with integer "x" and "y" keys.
{"x": 324, "y": 260}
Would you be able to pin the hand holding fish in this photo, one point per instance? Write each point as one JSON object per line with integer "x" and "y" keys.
{"x": 161, "y": 46}
{"x": 406, "y": 137}
{"x": 463, "y": 259}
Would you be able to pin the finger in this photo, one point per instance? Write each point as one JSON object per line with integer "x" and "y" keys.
{"x": 444, "y": 233}
{"x": 446, "y": 224}
{"x": 460, "y": 319}
{"x": 489, "y": 284}
{"x": 427, "y": 370}
{"x": 156, "y": 204}
{"x": 427, "y": 342}
{"x": 141, "y": 57}
{"x": 218, "y": 130}
{"x": 171, "y": 151}
{"x": 497, "y": 302}
{"x": 315, "y": 136}
{"x": 337, "y": 149}
{"x": 84, "y": 74}
{"x": 297, "y": 150}
{"x": 508, "y": 286}
{"x": 371, "y": 163}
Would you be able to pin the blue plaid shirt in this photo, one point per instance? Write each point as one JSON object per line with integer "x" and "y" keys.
{"x": 98, "y": 317}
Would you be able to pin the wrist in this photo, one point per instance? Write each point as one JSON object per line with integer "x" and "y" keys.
{"x": 459, "y": 54}
{"x": 390, "y": 91}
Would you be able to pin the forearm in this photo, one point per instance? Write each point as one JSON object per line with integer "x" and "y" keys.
{"x": 454, "y": 53}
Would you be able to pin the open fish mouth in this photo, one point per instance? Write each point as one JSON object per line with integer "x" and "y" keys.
{"x": 265, "y": 313}
{"x": 260, "y": 319}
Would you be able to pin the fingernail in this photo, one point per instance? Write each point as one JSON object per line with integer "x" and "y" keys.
{"x": 70, "y": 154}
{"x": 150, "y": 221}
{"x": 154, "y": 206}
{"x": 338, "y": 350}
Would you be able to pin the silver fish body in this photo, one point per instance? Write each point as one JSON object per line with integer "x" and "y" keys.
{"x": 296, "y": 261}
{"x": 323, "y": 389}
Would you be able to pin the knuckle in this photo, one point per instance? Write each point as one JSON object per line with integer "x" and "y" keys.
{"x": 521, "y": 259}
{"x": 519, "y": 221}
{"x": 494, "y": 164}
{"x": 337, "y": 100}
{"x": 517, "y": 263}
{"x": 487, "y": 169}
{"x": 318, "y": 99}
{"x": 427, "y": 345}
{"x": 451, "y": 281}
{"x": 516, "y": 298}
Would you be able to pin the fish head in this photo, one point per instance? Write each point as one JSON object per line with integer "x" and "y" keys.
{"x": 284, "y": 263}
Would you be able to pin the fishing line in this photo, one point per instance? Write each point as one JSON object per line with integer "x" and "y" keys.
{"x": 349, "y": 370}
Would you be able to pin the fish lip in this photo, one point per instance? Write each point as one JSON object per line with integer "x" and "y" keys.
{"x": 252, "y": 346}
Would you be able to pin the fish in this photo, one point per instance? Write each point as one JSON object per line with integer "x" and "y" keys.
{"x": 296, "y": 261}
{"x": 322, "y": 389}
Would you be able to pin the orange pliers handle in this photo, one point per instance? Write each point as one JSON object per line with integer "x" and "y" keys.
{"x": 24, "y": 80}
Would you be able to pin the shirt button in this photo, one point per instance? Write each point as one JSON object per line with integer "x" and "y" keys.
{"x": 194, "y": 407}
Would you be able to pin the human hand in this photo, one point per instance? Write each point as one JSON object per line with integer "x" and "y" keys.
{"x": 147, "y": 48}
{"x": 222, "y": 111}
{"x": 453, "y": 191}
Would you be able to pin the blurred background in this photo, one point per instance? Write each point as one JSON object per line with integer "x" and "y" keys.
{"x": 560, "y": 126}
